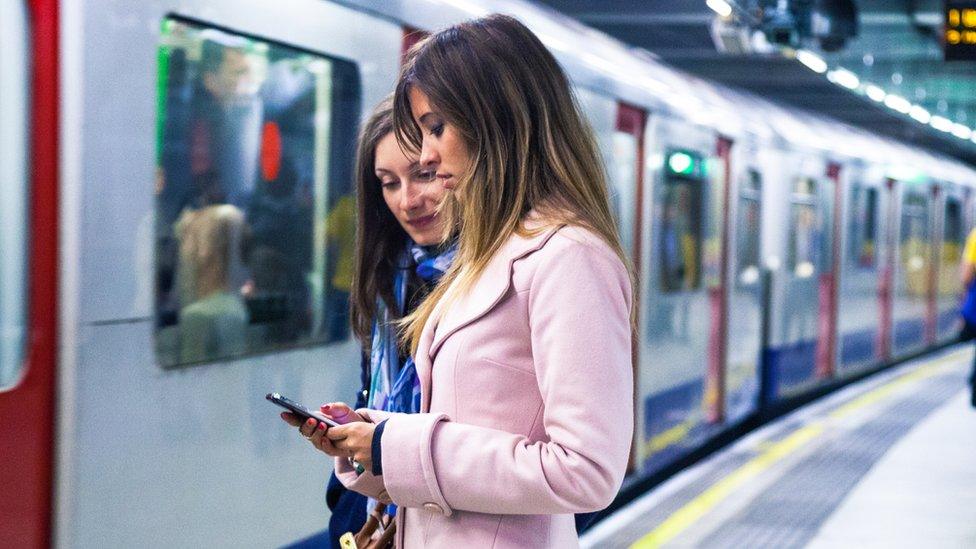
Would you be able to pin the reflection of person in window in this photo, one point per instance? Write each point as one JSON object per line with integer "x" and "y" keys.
{"x": 340, "y": 227}
{"x": 674, "y": 265}
{"x": 226, "y": 120}
{"x": 280, "y": 224}
{"x": 680, "y": 259}
{"x": 213, "y": 319}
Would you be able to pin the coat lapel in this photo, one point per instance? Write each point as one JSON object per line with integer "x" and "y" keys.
{"x": 487, "y": 292}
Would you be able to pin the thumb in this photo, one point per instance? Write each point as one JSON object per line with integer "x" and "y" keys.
{"x": 338, "y": 411}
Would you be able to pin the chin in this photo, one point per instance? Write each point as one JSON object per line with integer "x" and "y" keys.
{"x": 428, "y": 239}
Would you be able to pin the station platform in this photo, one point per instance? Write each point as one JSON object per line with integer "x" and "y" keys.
{"x": 889, "y": 461}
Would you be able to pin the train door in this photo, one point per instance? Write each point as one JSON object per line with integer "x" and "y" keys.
{"x": 857, "y": 319}
{"x": 254, "y": 143}
{"x": 744, "y": 287}
{"x": 948, "y": 287}
{"x": 620, "y": 134}
{"x": 28, "y": 267}
{"x": 801, "y": 349}
{"x": 680, "y": 370}
{"x": 912, "y": 297}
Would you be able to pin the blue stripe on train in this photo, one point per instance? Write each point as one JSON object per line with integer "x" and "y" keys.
{"x": 946, "y": 322}
{"x": 669, "y": 408}
{"x": 909, "y": 333}
{"x": 787, "y": 367}
{"x": 858, "y": 347}
{"x": 680, "y": 406}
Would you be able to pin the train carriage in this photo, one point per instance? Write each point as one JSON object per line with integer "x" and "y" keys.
{"x": 776, "y": 251}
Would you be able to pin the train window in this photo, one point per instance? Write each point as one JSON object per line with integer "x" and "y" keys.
{"x": 863, "y": 228}
{"x": 14, "y": 191}
{"x": 805, "y": 231}
{"x": 952, "y": 234}
{"x": 915, "y": 243}
{"x": 681, "y": 223}
{"x": 255, "y": 212}
{"x": 748, "y": 230}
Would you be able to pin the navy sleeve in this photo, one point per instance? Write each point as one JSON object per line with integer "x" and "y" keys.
{"x": 364, "y": 381}
{"x": 376, "y": 450}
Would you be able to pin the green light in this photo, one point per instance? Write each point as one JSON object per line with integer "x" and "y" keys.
{"x": 681, "y": 163}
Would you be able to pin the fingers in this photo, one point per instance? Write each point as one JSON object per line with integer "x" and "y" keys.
{"x": 291, "y": 419}
{"x": 307, "y": 428}
{"x": 339, "y": 433}
{"x": 340, "y": 412}
{"x": 315, "y": 432}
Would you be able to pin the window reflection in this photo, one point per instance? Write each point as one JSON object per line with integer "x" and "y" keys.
{"x": 914, "y": 250}
{"x": 806, "y": 235}
{"x": 255, "y": 150}
{"x": 748, "y": 230}
{"x": 863, "y": 227}
{"x": 681, "y": 235}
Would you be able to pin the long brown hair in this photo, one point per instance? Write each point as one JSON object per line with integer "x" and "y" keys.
{"x": 530, "y": 148}
{"x": 379, "y": 237}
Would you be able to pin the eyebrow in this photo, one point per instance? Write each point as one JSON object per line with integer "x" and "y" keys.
{"x": 423, "y": 117}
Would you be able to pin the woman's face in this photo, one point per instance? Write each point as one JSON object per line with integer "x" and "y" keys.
{"x": 410, "y": 192}
{"x": 442, "y": 149}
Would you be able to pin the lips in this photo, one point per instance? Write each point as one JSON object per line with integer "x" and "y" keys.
{"x": 446, "y": 179}
{"x": 422, "y": 222}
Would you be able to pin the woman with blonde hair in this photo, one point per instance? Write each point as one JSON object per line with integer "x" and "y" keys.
{"x": 523, "y": 350}
{"x": 213, "y": 318}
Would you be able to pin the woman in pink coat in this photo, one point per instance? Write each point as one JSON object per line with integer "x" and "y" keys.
{"x": 523, "y": 349}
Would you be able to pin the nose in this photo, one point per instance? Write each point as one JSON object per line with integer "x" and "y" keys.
{"x": 412, "y": 197}
{"x": 429, "y": 157}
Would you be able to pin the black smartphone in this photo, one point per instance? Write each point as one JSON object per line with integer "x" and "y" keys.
{"x": 300, "y": 410}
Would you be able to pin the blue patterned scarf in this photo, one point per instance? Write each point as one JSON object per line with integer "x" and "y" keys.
{"x": 395, "y": 387}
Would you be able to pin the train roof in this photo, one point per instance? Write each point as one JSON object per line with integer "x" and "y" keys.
{"x": 599, "y": 62}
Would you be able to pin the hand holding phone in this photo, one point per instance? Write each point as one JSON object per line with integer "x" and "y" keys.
{"x": 300, "y": 411}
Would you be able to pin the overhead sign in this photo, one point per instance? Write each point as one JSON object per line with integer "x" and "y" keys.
{"x": 960, "y": 30}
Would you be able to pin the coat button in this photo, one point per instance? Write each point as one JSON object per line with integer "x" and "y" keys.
{"x": 434, "y": 508}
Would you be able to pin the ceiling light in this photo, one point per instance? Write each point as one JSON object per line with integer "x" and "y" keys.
{"x": 812, "y": 61}
{"x": 875, "y": 93}
{"x": 720, "y": 7}
{"x": 920, "y": 114}
{"x": 844, "y": 78}
{"x": 962, "y": 131}
{"x": 898, "y": 103}
{"x": 942, "y": 124}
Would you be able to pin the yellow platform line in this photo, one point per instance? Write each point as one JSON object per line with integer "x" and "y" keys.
{"x": 694, "y": 510}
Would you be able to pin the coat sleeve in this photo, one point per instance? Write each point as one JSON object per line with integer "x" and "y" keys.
{"x": 579, "y": 321}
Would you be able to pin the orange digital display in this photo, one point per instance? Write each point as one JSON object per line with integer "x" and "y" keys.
{"x": 960, "y": 31}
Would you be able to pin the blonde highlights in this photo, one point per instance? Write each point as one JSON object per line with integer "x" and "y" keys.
{"x": 530, "y": 148}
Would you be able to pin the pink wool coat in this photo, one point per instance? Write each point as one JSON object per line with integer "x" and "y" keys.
{"x": 527, "y": 403}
